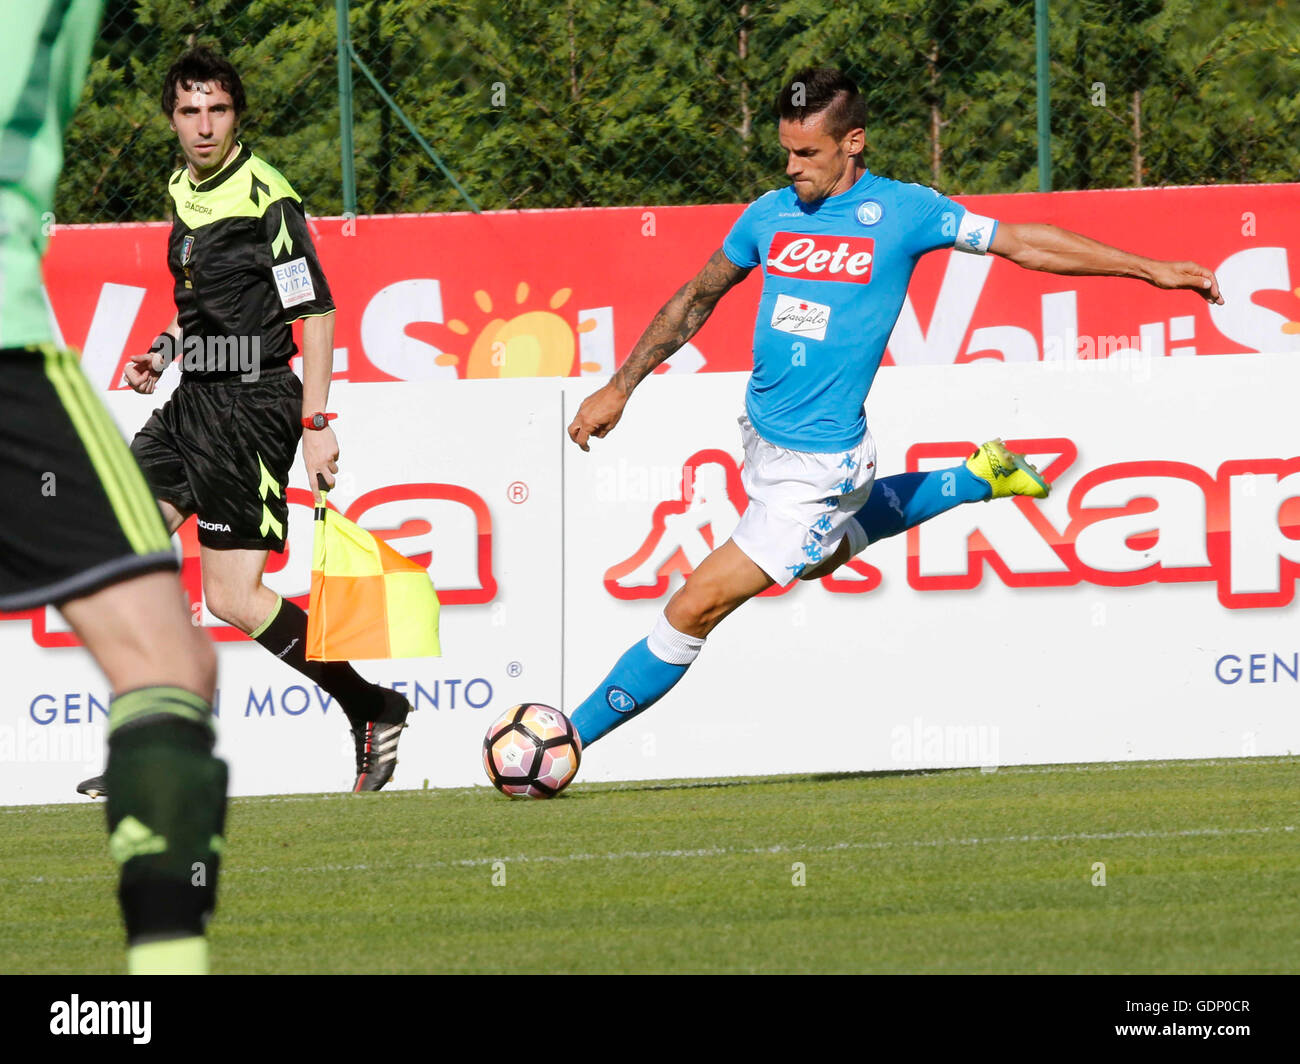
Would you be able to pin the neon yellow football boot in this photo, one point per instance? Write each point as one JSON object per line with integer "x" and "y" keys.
{"x": 1007, "y": 472}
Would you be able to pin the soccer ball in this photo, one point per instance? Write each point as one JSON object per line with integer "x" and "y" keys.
{"x": 531, "y": 751}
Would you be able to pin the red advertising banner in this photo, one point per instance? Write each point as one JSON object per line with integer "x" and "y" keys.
{"x": 567, "y": 292}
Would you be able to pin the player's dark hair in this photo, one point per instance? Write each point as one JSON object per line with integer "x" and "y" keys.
{"x": 818, "y": 90}
{"x": 197, "y": 66}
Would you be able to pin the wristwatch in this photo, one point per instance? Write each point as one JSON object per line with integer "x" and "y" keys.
{"x": 318, "y": 420}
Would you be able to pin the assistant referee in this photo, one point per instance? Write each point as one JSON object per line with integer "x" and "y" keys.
{"x": 244, "y": 271}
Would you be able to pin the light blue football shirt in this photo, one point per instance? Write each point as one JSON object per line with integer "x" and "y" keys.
{"x": 834, "y": 276}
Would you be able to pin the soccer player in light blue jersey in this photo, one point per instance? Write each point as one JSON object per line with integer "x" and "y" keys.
{"x": 837, "y": 248}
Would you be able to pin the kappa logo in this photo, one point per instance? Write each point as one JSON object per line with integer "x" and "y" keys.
{"x": 619, "y": 700}
{"x": 974, "y": 238}
{"x": 1128, "y": 524}
{"x": 685, "y": 531}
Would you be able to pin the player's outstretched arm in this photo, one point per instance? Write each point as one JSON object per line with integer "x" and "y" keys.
{"x": 677, "y": 321}
{"x": 1055, "y": 250}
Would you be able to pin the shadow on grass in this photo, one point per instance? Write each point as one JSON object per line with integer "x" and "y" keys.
{"x": 758, "y": 781}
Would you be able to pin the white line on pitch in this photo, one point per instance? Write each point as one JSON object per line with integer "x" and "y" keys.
{"x": 738, "y": 851}
{"x": 728, "y": 851}
{"x": 719, "y": 851}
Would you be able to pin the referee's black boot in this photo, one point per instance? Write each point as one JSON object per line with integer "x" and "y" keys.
{"x": 376, "y": 744}
{"x": 95, "y": 787}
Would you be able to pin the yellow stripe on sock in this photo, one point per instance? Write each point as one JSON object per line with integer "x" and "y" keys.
{"x": 279, "y": 601}
{"x": 157, "y": 701}
{"x": 175, "y": 956}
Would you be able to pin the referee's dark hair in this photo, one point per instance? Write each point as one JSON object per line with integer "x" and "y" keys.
{"x": 197, "y": 66}
{"x": 814, "y": 90}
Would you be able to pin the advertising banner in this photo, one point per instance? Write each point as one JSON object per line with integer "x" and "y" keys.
{"x": 1145, "y": 610}
{"x": 464, "y": 478}
{"x": 567, "y": 292}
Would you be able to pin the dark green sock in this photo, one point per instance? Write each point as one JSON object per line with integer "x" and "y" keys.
{"x": 166, "y": 812}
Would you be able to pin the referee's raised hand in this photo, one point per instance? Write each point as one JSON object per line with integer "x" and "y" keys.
{"x": 142, "y": 372}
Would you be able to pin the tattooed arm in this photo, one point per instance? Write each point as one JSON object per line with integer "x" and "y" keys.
{"x": 677, "y": 321}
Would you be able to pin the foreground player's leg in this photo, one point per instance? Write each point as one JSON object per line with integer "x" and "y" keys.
{"x": 906, "y": 500}
{"x": 650, "y": 669}
{"x": 232, "y": 584}
{"x": 167, "y": 793}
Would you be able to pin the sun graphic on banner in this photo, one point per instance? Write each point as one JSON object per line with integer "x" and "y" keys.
{"x": 535, "y": 343}
{"x": 1291, "y": 328}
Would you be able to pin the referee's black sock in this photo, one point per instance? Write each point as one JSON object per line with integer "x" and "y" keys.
{"x": 284, "y": 634}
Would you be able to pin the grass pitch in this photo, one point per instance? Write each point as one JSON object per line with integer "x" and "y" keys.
{"x": 953, "y": 871}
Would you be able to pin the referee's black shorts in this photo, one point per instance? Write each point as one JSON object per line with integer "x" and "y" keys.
{"x": 223, "y": 450}
{"x": 75, "y": 513}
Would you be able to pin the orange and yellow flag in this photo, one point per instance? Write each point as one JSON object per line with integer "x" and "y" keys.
{"x": 367, "y": 601}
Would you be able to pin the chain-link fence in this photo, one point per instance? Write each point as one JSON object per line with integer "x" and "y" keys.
{"x": 493, "y": 104}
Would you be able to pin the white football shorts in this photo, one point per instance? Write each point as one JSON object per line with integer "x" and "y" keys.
{"x": 801, "y": 503}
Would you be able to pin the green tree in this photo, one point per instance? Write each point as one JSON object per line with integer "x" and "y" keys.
{"x": 563, "y": 103}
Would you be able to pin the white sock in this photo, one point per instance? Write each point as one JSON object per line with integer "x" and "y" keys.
{"x": 668, "y": 644}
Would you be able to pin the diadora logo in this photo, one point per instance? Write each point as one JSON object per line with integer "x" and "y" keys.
{"x": 619, "y": 700}
{"x": 1125, "y": 524}
{"x": 197, "y": 208}
{"x": 821, "y": 258}
{"x": 212, "y": 526}
{"x": 413, "y": 519}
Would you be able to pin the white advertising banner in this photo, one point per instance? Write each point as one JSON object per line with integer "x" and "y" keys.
{"x": 464, "y": 476}
{"x": 1145, "y": 610}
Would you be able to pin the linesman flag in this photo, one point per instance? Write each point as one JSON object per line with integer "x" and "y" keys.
{"x": 367, "y": 601}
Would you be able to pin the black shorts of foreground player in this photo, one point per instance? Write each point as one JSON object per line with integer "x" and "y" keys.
{"x": 221, "y": 449}
{"x": 844, "y": 242}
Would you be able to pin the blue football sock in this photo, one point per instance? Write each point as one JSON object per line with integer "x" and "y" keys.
{"x": 903, "y": 501}
{"x": 638, "y": 680}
